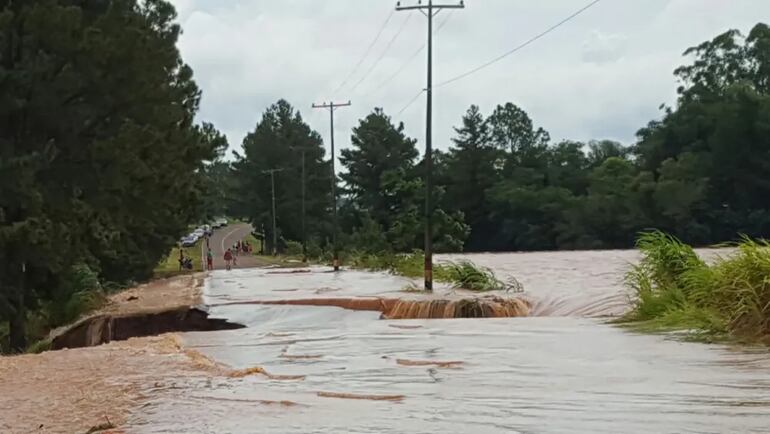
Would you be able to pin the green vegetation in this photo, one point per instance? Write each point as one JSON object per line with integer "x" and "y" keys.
{"x": 467, "y": 275}
{"x": 169, "y": 265}
{"x": 461, "y": 274}
{"x": 101, "y": 162}
{"x": 279, "y": 141}
{"x": 676, "y": 290}
{"x": 79, "y": 292}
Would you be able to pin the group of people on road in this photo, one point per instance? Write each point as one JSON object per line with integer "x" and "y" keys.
{"x": 242, "y": 247}
{"x": 230, "y": 256}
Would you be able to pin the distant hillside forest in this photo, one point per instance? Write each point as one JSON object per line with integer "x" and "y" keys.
{"x": 701, "y": 172}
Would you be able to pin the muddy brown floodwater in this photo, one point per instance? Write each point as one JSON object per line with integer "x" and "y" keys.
{"x": 562, "y": 370}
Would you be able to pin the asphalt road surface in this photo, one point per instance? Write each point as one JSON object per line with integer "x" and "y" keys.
{"x": 224, "y": 238}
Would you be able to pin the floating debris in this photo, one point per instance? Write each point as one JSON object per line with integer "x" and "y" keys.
{"x": 363, "y": 397}
{"x": 258, "y": 370}
{"x": 440, "y": 364}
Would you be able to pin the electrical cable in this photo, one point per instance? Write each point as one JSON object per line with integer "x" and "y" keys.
{"x": 517, "y": 48}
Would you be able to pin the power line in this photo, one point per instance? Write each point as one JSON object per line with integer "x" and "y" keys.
{"x": 366, "y": 53}
{"x": 411, "y": 58}
{"x": 409, "y": 104}
{"x": 387, "y": 48}
{"x": 519, "y": 47}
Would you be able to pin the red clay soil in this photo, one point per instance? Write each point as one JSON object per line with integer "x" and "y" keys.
{"x": 72, "y": 391}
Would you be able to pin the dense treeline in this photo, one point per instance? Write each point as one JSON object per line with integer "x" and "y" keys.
{"x": 100, "y": 160}
{"x": 701, "y": 173}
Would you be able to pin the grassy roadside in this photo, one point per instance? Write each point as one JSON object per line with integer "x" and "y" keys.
{"x": 676, "y": 291}
{"x": 283, "y": 261}
{"x": 169, "y": 266}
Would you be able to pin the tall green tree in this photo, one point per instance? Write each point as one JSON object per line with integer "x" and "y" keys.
{"x": 101, "y": 160}
{"x": 384, "y": 183}
{"x": 381, "y": 155}
{"x": 278, "y": 142}
{"x": 472, "y": 166}
{"x": 711, "y": 153}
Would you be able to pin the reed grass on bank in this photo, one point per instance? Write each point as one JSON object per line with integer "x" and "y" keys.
{"x": 674, "y": 289}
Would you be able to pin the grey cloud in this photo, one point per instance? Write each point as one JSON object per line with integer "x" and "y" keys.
{"x": 604, "y": 74}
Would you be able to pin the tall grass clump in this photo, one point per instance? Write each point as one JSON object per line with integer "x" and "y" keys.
{"x": 462, "y": 274}
{"x": 467, "y": 275}
{"x": 403, "y": 264}
{"x": 674, "y": 289}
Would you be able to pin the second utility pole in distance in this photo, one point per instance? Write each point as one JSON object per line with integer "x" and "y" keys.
{"x": 432, "y": 10}
{"x": 272, "y": 184}
{"x": 303, "y": 149}
{"x": 333, "y": 106}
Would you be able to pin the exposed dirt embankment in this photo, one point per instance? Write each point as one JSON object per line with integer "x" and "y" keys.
{"x": 106, "y": 328}
{"x": 158, "y": 307}
{"x": 428, "y": 308}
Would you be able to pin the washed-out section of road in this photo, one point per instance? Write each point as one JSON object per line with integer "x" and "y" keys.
{"x": 552, "y": 374}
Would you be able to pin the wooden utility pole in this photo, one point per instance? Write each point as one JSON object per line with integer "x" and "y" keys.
{"x": 303, "y": 149}
{"x": 272, "y": 184}
{"x": 333, "y": 106}
{"x": 432, "y": 10}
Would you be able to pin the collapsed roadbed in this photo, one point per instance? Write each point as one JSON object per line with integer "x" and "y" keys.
{"x": 101, "y": 329}
{"x": 161, "y": 306}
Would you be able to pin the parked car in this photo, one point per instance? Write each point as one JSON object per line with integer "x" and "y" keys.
{"x": 189, "y": 241}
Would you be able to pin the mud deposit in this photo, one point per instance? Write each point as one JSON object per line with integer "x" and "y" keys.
{"x": 564, "y": 371}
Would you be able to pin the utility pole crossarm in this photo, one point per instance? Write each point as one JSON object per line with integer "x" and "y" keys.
{"x": 461, "y": 5}
{"x": 331, "y": 105}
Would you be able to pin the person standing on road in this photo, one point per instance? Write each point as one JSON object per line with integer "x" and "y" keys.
{"x": 210, "y": 260}
{"x": 228, "y": 258}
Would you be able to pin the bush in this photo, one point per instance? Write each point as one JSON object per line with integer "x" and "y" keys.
{"x": 675, "y": 290}
{"x": 80, "y": 292}
{"x": 314, "y": 249}
{"x": 467, "y": 275}
{"x": 293, "y": 248}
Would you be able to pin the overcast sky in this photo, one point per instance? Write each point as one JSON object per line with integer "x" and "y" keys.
{"x": 602, "y": 75}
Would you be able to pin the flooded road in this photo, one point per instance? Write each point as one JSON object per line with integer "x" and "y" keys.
{"x": 562, "y": 372}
